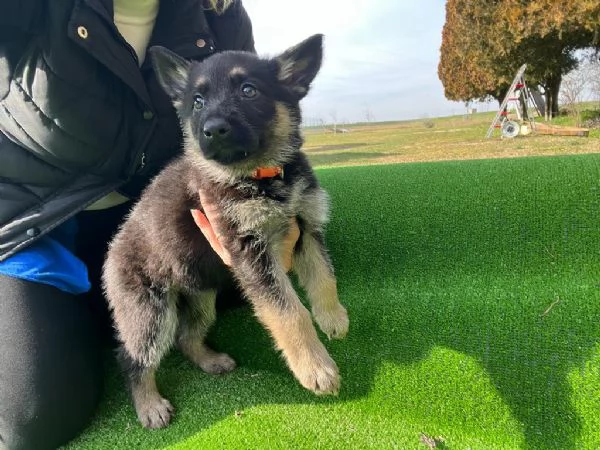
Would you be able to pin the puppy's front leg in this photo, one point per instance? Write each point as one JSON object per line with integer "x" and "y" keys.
{"x": 279, "y": 309}
{"x": 315, "y": 273}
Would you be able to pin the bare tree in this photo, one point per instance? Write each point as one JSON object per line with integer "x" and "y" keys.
{"x": 322, "y": 123}
{"x": 572, "y": 92}
{"x": 334, "y": 120}
{"x": 593, "y": 75}
{"x": 368, "y": 114}
{"x": 468, "y": 104}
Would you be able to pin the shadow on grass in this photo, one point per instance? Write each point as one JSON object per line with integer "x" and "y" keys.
{"x": 343, "y": 157}
{"x": 332, "y": 147}
{"x": 465, "y": 256}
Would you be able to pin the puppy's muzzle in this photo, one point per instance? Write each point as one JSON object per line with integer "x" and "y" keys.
{"x": 216, "y": 129}
{"x": 219, "y": 142}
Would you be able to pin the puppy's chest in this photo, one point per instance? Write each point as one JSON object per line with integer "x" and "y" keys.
{"x": 264, "y": 206}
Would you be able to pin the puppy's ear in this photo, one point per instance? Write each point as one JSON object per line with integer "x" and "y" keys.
{"x": 171, "y": 71}
{"x": 299, "y": 64}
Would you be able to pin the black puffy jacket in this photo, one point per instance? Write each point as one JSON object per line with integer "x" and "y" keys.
{"x": 78, "y": 117}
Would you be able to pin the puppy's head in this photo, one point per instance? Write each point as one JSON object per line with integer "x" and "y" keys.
{"x": 239, "y": 111}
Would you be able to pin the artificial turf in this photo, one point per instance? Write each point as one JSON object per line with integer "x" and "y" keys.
{"x": 473, "y": 290}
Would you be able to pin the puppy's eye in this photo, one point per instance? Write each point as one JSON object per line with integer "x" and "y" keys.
{"x": 198, "y": 101}
{"x": 249, "y": 91}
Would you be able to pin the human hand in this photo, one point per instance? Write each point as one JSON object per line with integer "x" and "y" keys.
{"x": 208, "y": 221}
{"x": 210, "y": 233}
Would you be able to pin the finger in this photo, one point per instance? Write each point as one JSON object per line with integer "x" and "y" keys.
{"x": 210, "y": 209}
{"x": 209, "y": 233}
{"x": 206, "y": 228}
{"x": 211, "y": 212}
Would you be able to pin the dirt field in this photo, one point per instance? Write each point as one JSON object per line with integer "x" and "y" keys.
{"x": 448, "y": 139}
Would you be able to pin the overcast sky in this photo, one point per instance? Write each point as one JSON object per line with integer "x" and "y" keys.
{"x": 381, "y": 56}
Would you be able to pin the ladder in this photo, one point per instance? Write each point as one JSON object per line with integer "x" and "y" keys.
{"x": 518, "y": 90}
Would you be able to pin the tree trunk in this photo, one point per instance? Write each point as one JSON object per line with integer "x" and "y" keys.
{"x": 555, "y": 91}
{"x": 552, "y": 89}
{"x": 523, "y": 104}
{"x": 501, "y": 93}
{"x": 548, "y": 102}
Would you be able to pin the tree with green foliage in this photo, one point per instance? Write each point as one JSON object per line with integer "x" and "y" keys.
{"x": 485, "y": 42}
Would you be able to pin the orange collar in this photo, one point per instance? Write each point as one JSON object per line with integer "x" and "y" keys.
{"x": 267, "y": 172}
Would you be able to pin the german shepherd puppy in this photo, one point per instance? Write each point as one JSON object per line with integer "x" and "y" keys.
{"x": 240, "y": 117}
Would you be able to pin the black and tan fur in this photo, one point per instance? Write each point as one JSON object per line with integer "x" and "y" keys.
{"x": 238, "y": 112}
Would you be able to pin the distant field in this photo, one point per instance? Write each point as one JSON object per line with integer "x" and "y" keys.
{"x": 451, "y": 138}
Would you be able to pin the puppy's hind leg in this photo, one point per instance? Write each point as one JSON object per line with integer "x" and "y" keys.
{"x": 315, "y": 274}
{"x": 198, "y": 314}
{"x": 152, "y": 409}
{"x": 147, "y": 327}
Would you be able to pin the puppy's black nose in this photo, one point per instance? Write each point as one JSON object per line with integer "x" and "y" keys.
{"x": 216, "y": 128}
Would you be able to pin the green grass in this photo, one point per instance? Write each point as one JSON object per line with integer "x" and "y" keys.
{"x": 473, "y": 290}
{"x": 590, "y": 110}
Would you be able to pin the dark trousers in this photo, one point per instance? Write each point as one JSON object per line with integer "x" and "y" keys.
{"x": 51, "y": 347}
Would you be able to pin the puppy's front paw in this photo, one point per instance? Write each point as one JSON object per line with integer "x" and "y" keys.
{"x": 155, "y": 412}
{"x": 217, "y": 363}
{"x": 318, "y": 373}
{"x": 333, "y": 322}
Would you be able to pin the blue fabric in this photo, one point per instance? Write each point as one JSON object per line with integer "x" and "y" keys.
{"x": 51, "y": 260}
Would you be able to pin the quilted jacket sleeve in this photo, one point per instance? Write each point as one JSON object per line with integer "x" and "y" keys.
{"x": 19, "y": 22}
{"x": 24, "y": 15}
{"x": 233, "y": 28}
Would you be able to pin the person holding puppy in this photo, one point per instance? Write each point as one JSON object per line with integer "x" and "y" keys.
{"x": 84, "y": 126}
